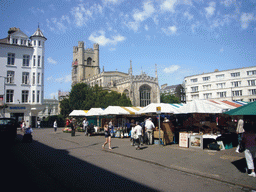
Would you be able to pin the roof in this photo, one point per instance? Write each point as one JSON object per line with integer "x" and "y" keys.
{"x": 38, "y": 33}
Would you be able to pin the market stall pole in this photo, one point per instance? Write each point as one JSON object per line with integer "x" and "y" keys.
{"x": 158, "y": 111}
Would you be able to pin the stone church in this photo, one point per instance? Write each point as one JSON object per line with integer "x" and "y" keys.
{"x": 141, "y": 89}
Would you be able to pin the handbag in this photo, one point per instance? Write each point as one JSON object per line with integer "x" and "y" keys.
{"x": 241, "y": 147}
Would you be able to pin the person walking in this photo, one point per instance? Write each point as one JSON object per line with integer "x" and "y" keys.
{"x": 107, "y": 137}
{"x": 55, "y": 125}
{"x": 85, "y": 126}
{"x": 73, "y": 127}
{"x": 239, "y": 131}
{"x": 38, "y": 124}
{"x": 149, "y": 130}
{"x": 249, "y": 140}
{"x": 138, "y": 132}
{"x": 23, "y": 126}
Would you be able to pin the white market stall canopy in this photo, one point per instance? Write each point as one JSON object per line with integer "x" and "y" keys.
{"x": 117, "y": 110}
{"x": 165, "y": 108}
{"x": 201, "y": 106}
{"x": 94, "y": 112}
{"x": 78, "y": 113}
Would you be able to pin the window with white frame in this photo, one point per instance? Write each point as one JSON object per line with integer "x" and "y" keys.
{"x": 34, "y": 79}
{"x": 9, "y": 96}
{"x": 11, "y": 59}
{"x": 207, "y": 95}
{"x": 33, "y": 96}
{"x": 221, "y": 85}
{"x": 221, "y": 94}
{"x": 236, "y": 83}
{"x": 237, "y": 93}
{"x": 38, "y": 97}
{"x": 38, "y": 60}
{"x": 251, "y": 100}
{"x": 251, "y": 72}
{"x": 34, "y": 60}
{"x": 39, "y": 43}
{"x": 26, "y": 59}
{"x": 196, "y": 96}
{"x": 25, "y": 78}
{"x": 221, "y": 76}
{"x": 237, "y": 74}
{"x": 194, "y": 89}
{"x": 10, "y": 77}
{"x": 24, "y": 96}
{"x": 251, "y": 82}
{"x": 193, "y": 80}
{"x": 38, "y": 78}
{"x": 34, "y": 42}
{"x": 207, "y": 87}
{"x": 206, "y": 78}
{"x": 252, "y": 91}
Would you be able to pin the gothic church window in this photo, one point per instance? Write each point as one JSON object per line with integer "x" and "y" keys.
{"x": 89, "y": 61}
{"x": 145, "y": 97}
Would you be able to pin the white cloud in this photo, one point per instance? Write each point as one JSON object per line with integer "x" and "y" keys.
{"x": 51, "y": 60}
{"x": 148, "y": 10}
{"x": 171, "y": 69}
{"x": 168, "y": 5}
{"x": 211, "y": 9}
{"x": 188, "y": 15}
{"x": 170, "y": 30}
{"x": 146, "y": 27}
{"x": 64, "y": 79}
{"x": 227, "y": 3}
{"x": 59, "y": 24}
{"x": 101, "y": 39}
{"x": 246, "y": 18}
{"x": 110, "y": 1}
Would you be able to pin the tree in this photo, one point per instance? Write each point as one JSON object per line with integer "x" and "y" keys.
{"x": 65, "y": 107}
{"x": 169, "y": 98}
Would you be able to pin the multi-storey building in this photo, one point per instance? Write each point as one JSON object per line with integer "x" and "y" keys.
{"x": 177, "y": 90}
{"x": 235, "y": 84}
{"x": 141, "y": 89}
{"x": 22, "y": 74}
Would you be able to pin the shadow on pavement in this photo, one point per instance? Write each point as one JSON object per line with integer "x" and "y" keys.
{"x": 241, "y": 164}
{"x": 38, "y": 167}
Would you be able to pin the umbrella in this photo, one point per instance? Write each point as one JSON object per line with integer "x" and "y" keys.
{"x": 248, "y": 109}
{"x": 201, "y": 106}
{"x": 165, "y": 108}
{"x": 94, "y": 112}
{"x": 78, "y": 113}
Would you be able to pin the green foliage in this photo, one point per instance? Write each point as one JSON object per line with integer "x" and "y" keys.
{"x": 84, "y": 97}
{"x": 168, "y": 98}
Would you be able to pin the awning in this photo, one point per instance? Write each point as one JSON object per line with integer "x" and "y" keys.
{"x": 165, "y": 108}
{"x": 94, "y": 112}
{"x": 78, "y": 113}
{"x": 248, "y": 109}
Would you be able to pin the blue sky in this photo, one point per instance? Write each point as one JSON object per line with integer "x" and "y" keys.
{"x": 183, "y": 37}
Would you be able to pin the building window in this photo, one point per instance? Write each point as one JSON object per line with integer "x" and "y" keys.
{"x": 34, "y": 42}
{"x": 194, "y": 89}
{"x": 196, "y": 96}
{"x": 193, "y": 80}
{"x": 26, "y": 60}
{"x": 11, "y": 59}
{"x": 237, "y": 74}
{"x": 221, "y": 94}
{"x": 38, "y": 78}
{"x": 220, "y": 76}
{"x": 251, "y": 72}
{"x": 33, "y": 97}
{"x": 252, "y": 91}
{"x": 34, "y": 60}
{"x": 251, "y": 100}
{"x": 251, "y": 82}
{"x": 221, "y": 85}
{"x": 34, "y": 79}
{"x": 21, "y": 41}
{"x": 25, "y": 78}
{"x": 89, "y": 61}
{"x": 236, "y": 84}
{"x": 206, "y": 87}
{"x": 206, "y": 78}
{"x": 25, "y": 42}
{"x": 39, "y": 43}
{"x": 237, "y": 93}
{"x": 24, "y": 97}
{"x": 38, "y": 61}
{"x": 207, "y": 95}
{"x": 145, "y": 96}
{"x": 10, "y": 77}
{"x": 9, "y": 96}
{"x": 38, "y": 96}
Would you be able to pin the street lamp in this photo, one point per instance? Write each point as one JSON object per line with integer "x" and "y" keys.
{"x": 4, "y": 95}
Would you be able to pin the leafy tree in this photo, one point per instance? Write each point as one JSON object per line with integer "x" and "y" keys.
{"x": 169, "y": 98}
{"x": 65, "y": 107}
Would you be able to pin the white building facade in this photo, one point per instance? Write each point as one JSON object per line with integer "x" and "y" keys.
{"x": 233, "y": 85}
{"x": 22, "y": 74}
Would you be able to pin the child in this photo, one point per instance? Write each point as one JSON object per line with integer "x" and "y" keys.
{"x": 27, "y": 137}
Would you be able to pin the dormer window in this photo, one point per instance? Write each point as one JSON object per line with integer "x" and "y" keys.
{"x": 39, "y": 43}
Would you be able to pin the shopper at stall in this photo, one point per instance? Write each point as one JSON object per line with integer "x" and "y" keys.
{"x": 239, "y": 131}
{"x": 85, "y": 126}
{"x": 55, "y": 125}
{"x": 249, "y": 139}
{"x": 107, "y": 136}
{"x": 149, "y": 130}
{"x": 138, "y": 132}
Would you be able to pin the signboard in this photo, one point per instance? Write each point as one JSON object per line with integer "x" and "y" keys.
{"x": 196, "y": 141}
{"x": 158, "y": 110}
{"x": 183, "y": 139}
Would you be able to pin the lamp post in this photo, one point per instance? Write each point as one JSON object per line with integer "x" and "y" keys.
{"x": 4, "y": 95}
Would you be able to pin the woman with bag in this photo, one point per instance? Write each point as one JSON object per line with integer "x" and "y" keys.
{"x": 249, "y": 140}
{"x": 107, "y": 136}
